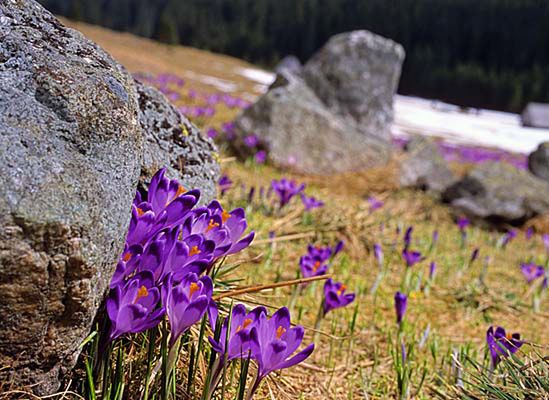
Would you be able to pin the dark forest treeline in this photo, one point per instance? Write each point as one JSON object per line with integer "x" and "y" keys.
{"x": 481, "y": 53}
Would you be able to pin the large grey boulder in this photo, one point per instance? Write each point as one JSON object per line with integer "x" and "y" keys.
{"x": 70, "y": 157}
{"x": 171, "y": 141}
{"x": 356, "y": 75}
{"x": 423, "y": 167}
{"x": 76, "y": 136}
{"x": 538, "y": 161}
{"x": 289, "y": 64}
{"x": 301, "y": 133}
{"x": 536, "y": 115}
{"x": 499, "y": 192}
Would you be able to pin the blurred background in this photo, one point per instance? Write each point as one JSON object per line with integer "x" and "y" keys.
{"x": 490, "y": 54}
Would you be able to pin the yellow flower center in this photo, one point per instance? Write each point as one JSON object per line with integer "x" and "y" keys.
{"x": 225, "y": 216}
{"x": 316, "y": 266}
{"x": 244, "y": 325}
{"x": 180, "y": 191}
{"x": 280, "y": 331}
{"x": 212, "y": 225}
{"x": 142, "y": 292}
{"x": 127, "y": 257}
{"x": 140, "y": 212}
{"x": 341, "y": 290}
{"x": 194, "y": 287}
{"x": 194, "y": 250}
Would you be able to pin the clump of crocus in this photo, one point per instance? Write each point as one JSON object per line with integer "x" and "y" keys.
{"x": 273, "y": 343}
{"x": 501, "y": 344}
{"x": 286, "y": 189}
{"x": 401, "y": 304}
{"x": 225, "y": 229}
{"x": 310, "y": 203}
{"x": 225, "y": 183}
{"x": 168, "y": 203}
{"x": 316, "y": 261}
{"x": 335, "y": 296}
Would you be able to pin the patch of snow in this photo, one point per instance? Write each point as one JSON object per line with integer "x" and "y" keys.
{"x": 257, "y": 75}
{"x": 485, "y": 128}
{"x": 223, "y": 85}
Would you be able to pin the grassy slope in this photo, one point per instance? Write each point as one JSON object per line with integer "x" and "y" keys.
{"x": 457, "y": 309}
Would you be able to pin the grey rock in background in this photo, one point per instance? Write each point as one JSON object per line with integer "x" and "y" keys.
{"x": 289, "y": 64}
{"x": 70, "y": 156}
{"x": 423, "y": 166}
{"x": 302, "y": 134}
{"x": 499, "y": 192}
{"x": 171, "y": 141}
{"x": 356, "y": 76}
{"x": 536, "y": 115}
{"x": 538, "y": 161}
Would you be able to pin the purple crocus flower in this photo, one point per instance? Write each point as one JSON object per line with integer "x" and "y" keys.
{"x": 463, "y": 223}
{"x": 434, "y": 240}
{"x": 545, "y": 239}
{"x": 212, "y": 133}
{"x": 251, "y": 141}
{"x": 314, "y": 263}
{"x": 401, "y": 303}
{"x": 375, "y": 204}
{"x": 408, "y": 237}
{"x": 338, "y": 247}
{"x": 168, "y": 254}
{"x": 310, "y": 203}
{"x": 324, "y": 253}
{"x": 132, "y": 307}
{"x": 432, "y": 270}
{"x": 411, "y": 257}
{"x": 335, "y": 296}
{"x": 529, "y": 233}
{"x": 238, "y": 336}
{"x": 224, "y": 184}
{"x": 501, "y": 344}
{"x": 260, "y": 157}
{"x": 167, "y": 205}
{"x": 286, "y": 189}
{"x": 378, "y": 254}
{"x": 312, "y": 266}
{"x": 274, "y": 341}
{"x": 510, "y": 235}
{"x": 186, "y": 303}
{"x": 224, "y": 228}
{"x": 127, "y": 264}
{"x": 474, "y": 255}
{"x": 532, "y": 271}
